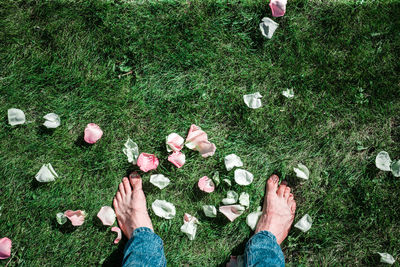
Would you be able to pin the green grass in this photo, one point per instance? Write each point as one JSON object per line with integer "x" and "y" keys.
{"x": 192, "y": 61}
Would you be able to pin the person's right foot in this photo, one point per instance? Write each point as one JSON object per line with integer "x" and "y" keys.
{"x": 278, "y": 210}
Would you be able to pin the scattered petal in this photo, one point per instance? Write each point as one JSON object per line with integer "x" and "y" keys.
{"x": 92, "y": 133}
{"x": 159, "y": 180}
{"x": 228, "y": 182}
{"x": 236, "y": 261}
{"x": 302, "y": 171}
{"x": 77, "y": 218}
{"x": 189, "y": 226}
{"x": 206, "y": 184}
{"x": 210, "y": 211}
{"x": 52, "y": 120}
{"x": 119, "y": 234}
{"x": 268, "y": 27}
{"x": 147, "y": 162}
{"x": 131, "y": 150}
{"x": 244, "y": 199}
{"x": 206, "y": 149}
{"x": 46, "y": 174}
{"x": 232, "y": 211}
{"x": 278, "y": 7}
{"x": 177, "y": 158}
{"x": 253, "y": 100}
{"x": 16, "y": 116}
{"x": 253, "y": 218}
{"x": 106, "y": 215}
{"x": 395, "y": 168}
{"x": 231, "y": 198}
{"x": 163, "y": 209}
{"x": 304, "y": 224}
{"x": 232, "y": 161}
{"x": 243, "y": 177}
{"x": 197, "y": 140}
{"x": 216, "y": 178}
{"x": 383, "y": 161}
{"x": 61, "y": 218}
{"x": 174, "y": 142}
{"x": 289, "y": 93}
{"x": 386, "y": 258}
{"x": 5, "y": 248}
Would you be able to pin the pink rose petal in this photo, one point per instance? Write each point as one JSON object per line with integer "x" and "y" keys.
{"x": 278, "y": 7}
{"x": 177, "y": 158}
{"x": 206, "y": 184}
{"x": 77, "y": 218}
{"x": 197, "y": 140}
{"x": 5, "y": 248}
{"x": 232, "y": 211}
{"x": 147, "y": 162}
{"x": 119, "y": 234}
{"x": 92, "y": 133}
{"x": 206, "y": 149}
{"x": 174, "y": 142}
{"x": 106, "y": 215}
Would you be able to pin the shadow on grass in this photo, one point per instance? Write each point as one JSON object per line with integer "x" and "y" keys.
{"x": 116, "y": 257}
{"x": 65, "y": 228}
{"x": 81, "y": 142}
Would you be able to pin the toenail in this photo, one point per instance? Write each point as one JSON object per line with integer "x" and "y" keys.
{"x": 284, "y": 182}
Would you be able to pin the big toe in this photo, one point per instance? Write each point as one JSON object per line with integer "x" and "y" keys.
{"x": 136, "y": 182}
{"x": 272, "y": 183}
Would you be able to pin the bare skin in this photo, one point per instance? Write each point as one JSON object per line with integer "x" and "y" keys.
{"x": 278, "y": 210}
{"x": 130, "y": 205}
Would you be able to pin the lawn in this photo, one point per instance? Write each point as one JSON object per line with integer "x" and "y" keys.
{"x": 192, "y": 62}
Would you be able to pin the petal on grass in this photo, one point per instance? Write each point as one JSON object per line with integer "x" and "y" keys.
{"x": 386, "y": 258}
{"x": 232, "y": 161}
{"x": 210, "y": 211}
{"x": 304, "y": 224}
{"x": 46, "y": 174}
{"x": 177, "y": 158}
{"x": 395, "y": 168}
{"x": 302, "y": 171}
{"x": 159, "y": 180}
{"x": 228, "y": 182}
{"x": 278, "y": 7}
{"x": 216, "y": 179}
{"x": 244, "y": 199}
{"x": 163, "y": 209}
{"x": 52, "y": 121}
{"x": 197, "y": 140}
{"x": 206, "y": 184}
{"x": 231, "y": 198}
{"x": 16, "y": 116}
{"x": 131, "y": 150}
{"x": 92, "y": 133}
{"x": 147, "y": 162}
{"x": 288, "y": 93}
{"x": 268, "y": 27}
{"x": 253, "y": 218}
{"x": 61, "y": 218}
{"x": 119, "y": 234}
{"x": 189, "y": 226}
{"x": 77, "y": 217}
{"x": 232, "y": 211}
{"x": 106, "y": 215}
{"x": 383, "y": 161}
{"x": 243, "y": 177}
{"x": 253, "y": 100}
{"x": 5, "y": 248}
{"x": 174, "y": 142}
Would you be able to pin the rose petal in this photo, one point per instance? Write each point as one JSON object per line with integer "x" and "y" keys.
{"x": 383, "y": 161}
{"x": 395, "y": 168}
{"x": 16, "y": 116}
{"x": 227, "y": 181}
{"x": 253, "y": 100}
{"x": 243, "y": 177}
{"x": 197, "y": 140}
{"x": 206, "y": 149}
{"x": 177, "y": 158}
{"x": 92, "y": 133}
{"x": 206, "y": 184}
{"x": 147, "y": 162}
{"x": 244, "y": 199}
{"x": 232, "y": 211}
{"x": 288, "y": 93}
{"x": 159, "y": 180}
{"x": 163, "y": 209}
{"x": 302, "y": 171}
{"x": 119, "y": 234}
{"x": 253, "y": 218}
{"x": 46, "y": 174}
{"x": 52, "y": 121}
{"x": 386, "y": 258}
{"x": 210, "y": 211}
{"x": 77, "y": 218}
{"x": 216, "y": 179}
{"x": 231, "y": 198}
{"x": 61, "y": 218}
{"x": 304, "y": 224}
{"x": 131, "y": 150}
{"x": 232, "y": 161}
{"x": 174, "y": 142}
{"x": 268, "y": 27}
{"x": 5, "y": 248}
{"x": 189, "y": 226}
{"x": 278, "y": 7}
{"x": 106, "y": 215}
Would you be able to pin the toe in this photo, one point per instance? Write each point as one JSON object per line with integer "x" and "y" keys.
{"x": 119, "y": 197}
{"x": 286, "y": 193}
{"x": 121, "y": 189}
{"x": 115, "y": 204}
{"x": 272, "y": 183}
{"x": 281, "y": 189}
{"x": 293, "y": 207}
{"x": 290, "y": 199}
{"x": 127, "y": 186}
{"x": 136, "y": 183}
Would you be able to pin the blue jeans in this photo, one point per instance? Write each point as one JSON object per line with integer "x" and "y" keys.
{"x": 145, "y": 248}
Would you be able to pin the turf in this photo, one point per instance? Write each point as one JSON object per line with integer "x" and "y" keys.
{"x": 191, "y": 62}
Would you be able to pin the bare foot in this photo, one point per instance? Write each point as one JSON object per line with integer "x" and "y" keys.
{"x": 278, "y": 210}
{"x": 130, "y": 205}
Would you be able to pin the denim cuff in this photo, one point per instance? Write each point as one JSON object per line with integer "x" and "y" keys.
{"x": 264, "y": 233}
{"x": 141, "y": 229}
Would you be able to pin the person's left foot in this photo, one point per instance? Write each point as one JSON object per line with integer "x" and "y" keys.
{"x": 130, "y": 206}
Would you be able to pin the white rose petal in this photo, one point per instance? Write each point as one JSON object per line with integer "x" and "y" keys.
{"x": 61, "y": 218}
{"x": 383, "y": 161}
{"x": 304, "y": 224}
{"x": 227, "y": 181}
{"x": 302, "y": 171}
{"x": 253, "y": 100}
{"x": 395, "y": 168}
{"x": 210, "y": 211}
{"x": 52, "y": 120}
{"x": 231, "y": 198}
{"x": 46, "y": 174}
{"x": 268, "y": 27}
{"x": 189, "y": 226}
{"x": 289, "y": 93}
{"x": 244, "y": 199}
{"x": 253, "y": 218}
{"x": 131, "y": 150}
{"x": 174, "y": 142}
{"x": 232, "y": 161}
{"x": 159, "y": 180}
{"x": 232, "y": 211}
{"x": 386, "y": 258}
{"x": 163, "y": 209}
{"x": 106, "y": 215}
{"x": 16, "y": 116}
{"x": 243, "y": 177}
